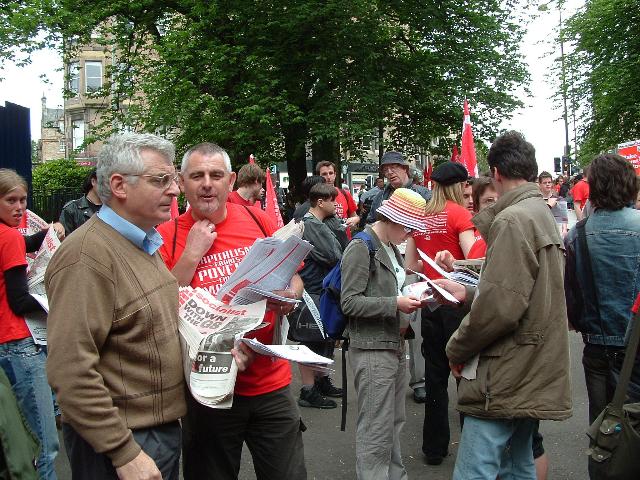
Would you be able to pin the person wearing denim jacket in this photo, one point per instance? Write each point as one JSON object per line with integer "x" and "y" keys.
{"x": 613, "y": 239}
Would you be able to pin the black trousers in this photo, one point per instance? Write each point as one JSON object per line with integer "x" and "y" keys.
{"x": 161, "y": 443}
{"x": 437, "y": 328}
{"x": 270, "y": 424}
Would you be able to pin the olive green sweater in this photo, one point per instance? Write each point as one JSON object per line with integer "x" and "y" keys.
{"x": 114, "y": 352}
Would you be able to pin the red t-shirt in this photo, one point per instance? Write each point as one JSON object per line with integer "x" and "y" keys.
{"x": 236, "y": 234}
{"x": 443, "y": 230}
{"x": 479, "y": 247}
{"x": 13, "y": 253}
{"x": 234, "y": 197}
{"x": 345, "y": 205}
{"x": 580, "y": 192}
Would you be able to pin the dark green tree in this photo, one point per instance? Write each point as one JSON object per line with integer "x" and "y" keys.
{"x": 605, "y": 72}
{"x": 272, "y": 78}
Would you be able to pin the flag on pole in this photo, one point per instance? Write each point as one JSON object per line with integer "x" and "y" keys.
{"x": 455, "y": 156}
{"x": 428, "y": 169}
{"x": 252, "y": 159}
{"x": 271, "y": 207}
{"x": 468, "y": 155}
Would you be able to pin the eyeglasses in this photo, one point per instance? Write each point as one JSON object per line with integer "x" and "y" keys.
{"x": 391, "y": 167}
{"x": 159, "y": 181}
{"x": 408, "y": 230}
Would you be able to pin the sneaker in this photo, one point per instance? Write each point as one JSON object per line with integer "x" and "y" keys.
{"x": 311, "y": 397}
{"x": 328, "y": 389}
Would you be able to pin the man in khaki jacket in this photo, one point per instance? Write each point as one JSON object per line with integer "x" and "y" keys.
{"x": 516, "y": 329}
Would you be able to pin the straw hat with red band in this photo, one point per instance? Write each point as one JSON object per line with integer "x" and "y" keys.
{"x": 405, "y": 207}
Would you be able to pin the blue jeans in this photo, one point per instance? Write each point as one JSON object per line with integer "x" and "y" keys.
{"x": 24, "y": 364}
{"x": 492, "y": 447}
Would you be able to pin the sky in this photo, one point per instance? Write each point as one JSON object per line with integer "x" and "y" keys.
{"x": 539, "y": 120}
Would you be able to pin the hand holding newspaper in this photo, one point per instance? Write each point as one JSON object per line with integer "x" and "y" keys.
{"x": 209, "y": 330}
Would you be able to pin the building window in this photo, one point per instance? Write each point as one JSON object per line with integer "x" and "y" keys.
{"x": 74, "y": 78}
{"x": 93, "y": 76}
{"x": 62, "y": 146}
{"x": 78, "y": 134}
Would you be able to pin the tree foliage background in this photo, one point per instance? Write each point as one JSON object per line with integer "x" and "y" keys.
{"x": 274, "y": 77}
{"x": 605, "y": 73}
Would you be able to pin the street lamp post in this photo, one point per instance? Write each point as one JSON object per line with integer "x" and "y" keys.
{"x": 563, "y": 78}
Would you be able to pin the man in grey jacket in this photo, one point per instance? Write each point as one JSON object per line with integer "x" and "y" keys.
{"x": 326, "y": 253}
{"x": 514, "y": 341}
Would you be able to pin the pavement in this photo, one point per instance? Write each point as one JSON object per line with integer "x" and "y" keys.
{"x": 330, "y": 453}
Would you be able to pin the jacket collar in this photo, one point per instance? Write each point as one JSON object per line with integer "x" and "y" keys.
{"x": 485, "y": 218}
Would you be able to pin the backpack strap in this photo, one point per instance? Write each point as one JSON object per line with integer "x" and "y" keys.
{"x": 372, "y": 249}
{"x": 582, "y": 241}
{"x": 345, "y": 343}
{"x": 255, "y": 219}
{"x": 343, "y": 420}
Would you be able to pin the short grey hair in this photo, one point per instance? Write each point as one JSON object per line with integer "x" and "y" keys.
{"x": 121, "y": 154}
{"x": 206, "y": 149}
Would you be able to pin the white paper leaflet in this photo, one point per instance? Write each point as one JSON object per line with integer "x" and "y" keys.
{"x": 268, "y": 266}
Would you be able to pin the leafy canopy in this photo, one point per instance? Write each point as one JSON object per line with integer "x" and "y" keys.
{"x": 272, "y": 77}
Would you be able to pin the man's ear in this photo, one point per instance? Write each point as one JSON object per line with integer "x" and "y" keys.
{"x": 232, "y": 181}
{"x": 118, "y": 186}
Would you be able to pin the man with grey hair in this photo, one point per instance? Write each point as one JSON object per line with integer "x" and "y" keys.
{"x": 203, "y": 248}
{"x": 395, "y": 168}
{"x": 114, "y": 354}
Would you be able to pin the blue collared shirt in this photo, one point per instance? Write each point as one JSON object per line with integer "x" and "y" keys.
{"x": 147, "y": 241}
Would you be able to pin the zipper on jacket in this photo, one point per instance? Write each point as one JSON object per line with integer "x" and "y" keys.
{"x": 487, "y": 395}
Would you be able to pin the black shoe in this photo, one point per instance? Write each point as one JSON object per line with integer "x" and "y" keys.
{"x": 328, "y": 389}
{"x": 419, "y": 395}
{"x": 434, "y": 460}
{"x": 311, "y": 397}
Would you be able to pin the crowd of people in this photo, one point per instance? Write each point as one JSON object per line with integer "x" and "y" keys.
{"x": 114, "y": 360}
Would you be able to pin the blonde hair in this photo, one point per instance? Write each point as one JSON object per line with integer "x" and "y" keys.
{"x": 10, "y": 180}
{"x": 441, "y": 193}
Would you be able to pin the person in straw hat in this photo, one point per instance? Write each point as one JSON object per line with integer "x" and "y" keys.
{"x": 372, "y": 301}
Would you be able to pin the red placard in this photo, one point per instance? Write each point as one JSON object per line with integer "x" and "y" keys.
{"x": 631, "y": 151}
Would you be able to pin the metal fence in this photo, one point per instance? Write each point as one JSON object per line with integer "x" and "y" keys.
{"x": 49, "y": 204}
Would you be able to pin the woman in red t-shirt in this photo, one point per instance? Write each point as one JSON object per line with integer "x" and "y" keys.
{"x": 21, "y": 359}
{"x": 449, "y": 227}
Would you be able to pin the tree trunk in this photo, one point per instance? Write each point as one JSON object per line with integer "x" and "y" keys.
{"x": 295, "y": 153}
{"x": 327, "y": 150}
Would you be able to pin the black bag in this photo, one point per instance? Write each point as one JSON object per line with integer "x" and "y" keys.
{"x": 302, "y": 324}
{"x": 614, "y": 444}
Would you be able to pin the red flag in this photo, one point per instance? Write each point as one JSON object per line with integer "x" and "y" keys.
{"x": 271, "y": 208}
{"x": 468, "y": 155}
{"x": 252, "y": 159}
{"x": 427, "y": 174}
{"x": 174, "y": 208}
{"x": 455, "y": 156}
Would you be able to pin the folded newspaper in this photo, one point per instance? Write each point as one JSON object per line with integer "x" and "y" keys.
{"x": 269, "y": 265}
{"x": 209, "y": 330}
{"x": 37, "y": 321}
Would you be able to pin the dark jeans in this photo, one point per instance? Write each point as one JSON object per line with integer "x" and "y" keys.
{"x": 598, "y": 363}
{"x": 437, "y": 328}
{"x": 269, "y": 423}
{"x": 161, "y": 443}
